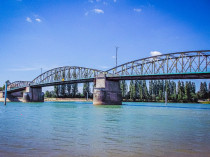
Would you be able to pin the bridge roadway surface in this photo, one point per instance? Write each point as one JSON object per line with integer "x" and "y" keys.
{"x": 179, "y": 65}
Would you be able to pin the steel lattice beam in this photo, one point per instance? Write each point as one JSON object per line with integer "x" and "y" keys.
{"x": 174, "y": 63}
{"x": 63, "y": 75}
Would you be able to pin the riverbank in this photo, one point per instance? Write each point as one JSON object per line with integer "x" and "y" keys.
{"x": 124, "y": 100}
{"x": 204, "y": 102}
{"x": 169, "y": 101}
{"x": 51, "y": 99}
{"x": 66, "y": 99}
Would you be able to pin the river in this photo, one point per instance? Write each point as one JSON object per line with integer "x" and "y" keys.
{"x": 82, "y": 129}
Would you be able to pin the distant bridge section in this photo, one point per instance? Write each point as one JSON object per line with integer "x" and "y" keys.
{"x": 65, "y": 75}
{"x": 17, "y": 86}
{"x": 57, "y": 76}
{"x": 179, "y": 65}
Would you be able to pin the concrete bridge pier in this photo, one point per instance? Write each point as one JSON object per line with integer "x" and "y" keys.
{"x": 33, "y": 95}
{"x": 107, "y": 92}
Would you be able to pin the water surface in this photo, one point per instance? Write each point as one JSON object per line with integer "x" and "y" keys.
{"x": 81, "y": 129}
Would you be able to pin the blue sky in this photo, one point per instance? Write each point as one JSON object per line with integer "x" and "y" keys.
{"x": 37, "y": 34}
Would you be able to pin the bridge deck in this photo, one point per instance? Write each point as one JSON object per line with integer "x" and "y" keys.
{"x": 204, "y": 75}
{"x": 52, "y": 84}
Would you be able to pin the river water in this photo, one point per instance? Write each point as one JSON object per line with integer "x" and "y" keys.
{"x": 82, "y": 129}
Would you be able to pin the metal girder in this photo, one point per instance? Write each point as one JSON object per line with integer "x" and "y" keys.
{"x": 17, "y": 85}
{"x": 65, "y": 74}
{"x": 179, "y": 62}
{"x": 162, "y": 76}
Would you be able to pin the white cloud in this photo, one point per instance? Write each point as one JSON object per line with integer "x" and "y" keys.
{"x": 98, "y": 11}
{"x": 38, "y": 20}
{"x": 28, "y": 19}
{"x": 104, "y": 67}
{"x": 155, "y": 53}
{"x": 113, "y": 57}
{"x": 115, "y": 1}
{"x": 137, "y": 9}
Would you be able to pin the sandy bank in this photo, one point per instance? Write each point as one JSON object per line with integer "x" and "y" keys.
{"x": 66, "y": 99}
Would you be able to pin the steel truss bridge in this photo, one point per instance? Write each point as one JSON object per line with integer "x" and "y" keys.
{"x": 179, "y": 65}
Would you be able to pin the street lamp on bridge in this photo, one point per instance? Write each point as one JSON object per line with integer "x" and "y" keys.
{"x": 116, "y": 54}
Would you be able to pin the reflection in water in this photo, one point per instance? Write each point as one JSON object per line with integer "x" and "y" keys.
{"x": 108, "y": 106}
{"x": 82, "y": 129}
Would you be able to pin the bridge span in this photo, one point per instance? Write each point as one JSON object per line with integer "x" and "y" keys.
{"x": 179, "y": 65}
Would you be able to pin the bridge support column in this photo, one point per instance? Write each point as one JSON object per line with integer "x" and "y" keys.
{"x": 33, "y": 95}
{"x": 107, "y": 92}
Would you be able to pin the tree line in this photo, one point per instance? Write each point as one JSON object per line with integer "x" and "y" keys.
{"x": 155, "y": 91}
{"x": 2, "y": 88}
{"x": 70, "y": 91}
{"x": 141, "y": 90}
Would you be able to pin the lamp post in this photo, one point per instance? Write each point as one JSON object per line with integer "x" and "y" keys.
{"x": 116, "y": 54}
{"x": 5, "y": 93}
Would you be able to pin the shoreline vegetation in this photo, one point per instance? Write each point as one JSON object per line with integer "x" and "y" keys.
{"x": 90, "y": 100}
{"x": 142, "y": 91}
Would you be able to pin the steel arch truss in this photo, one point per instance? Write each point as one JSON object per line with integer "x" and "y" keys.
{"x": 173, "y": 63}
{"x": 17, "y": 85}
{"x": 64, "y": 75}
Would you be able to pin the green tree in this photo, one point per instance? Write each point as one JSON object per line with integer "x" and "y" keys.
{"x": 86, "y": 89}
{"x": 140, "y": 90}
{"x": 75, "y": 85}
{"x": 74, "y": 89}
{"x": 63, "y": 87}
{"x": 145, "y": 90}
{"x": 68, "y": 86}
{"x": 181, "y": 91}
{"x": 132, "y": 91}
{"x": 160, "y": 96}
{"x": 209, "y": 92}
{"x": 174, "y": 95}
{"x": 56, "y": 87}
{"x": 48, "y": 94}
{"x": 124, "y": 87}
{"x": 151, "y": 90}
{"x": 136, "y": 84}
{"x": 187, "y": 96}
{"x": 203, "y": 91}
